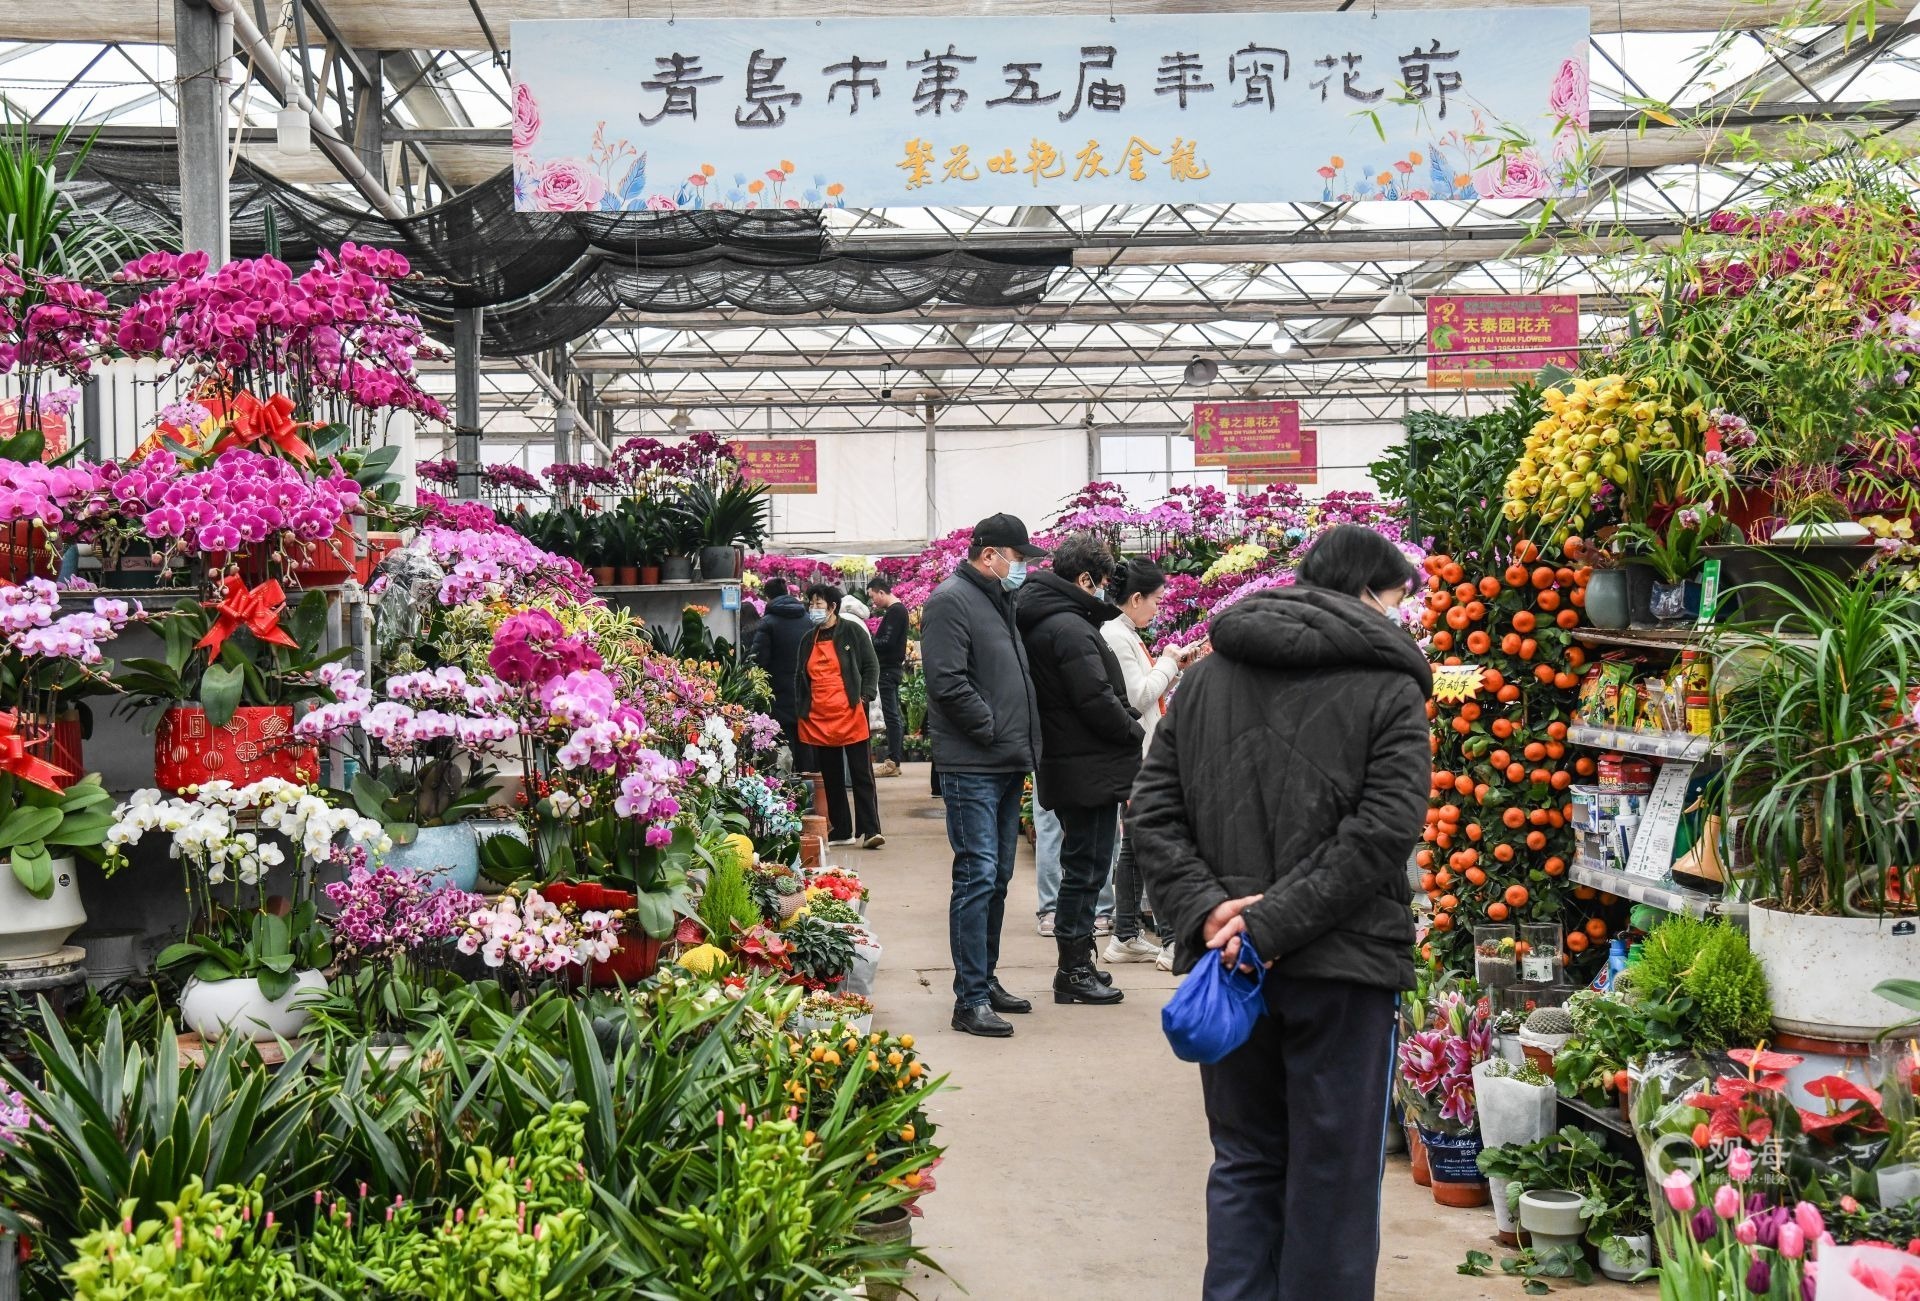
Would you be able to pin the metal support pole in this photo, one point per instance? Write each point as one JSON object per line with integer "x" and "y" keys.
{"x": 368, "y": 121}
{"x": 90, "y": 417}
{"x": 466, "y": 401}
{"x": 203, "y": 44}
{"x": 931, "y": 441}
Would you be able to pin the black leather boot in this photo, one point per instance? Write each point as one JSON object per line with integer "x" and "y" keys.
{"x": 1076, "y": 981}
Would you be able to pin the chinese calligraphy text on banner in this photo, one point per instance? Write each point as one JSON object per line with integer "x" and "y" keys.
{"x": 1246, "y": 433}
{"x": 1306, "y": 470}
{"x": 642, "y": 114}
{"x": 785, "y": 465}
{"x": 1494, "y": 341}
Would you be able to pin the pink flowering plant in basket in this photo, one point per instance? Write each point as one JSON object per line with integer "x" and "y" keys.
{"x": 1436, "y": 1065}
{"x": 602, "y": 801}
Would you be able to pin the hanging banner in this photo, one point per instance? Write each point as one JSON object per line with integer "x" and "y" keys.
{"x": 1500, "y": 339}
{"x": 52, "y": 425}
{"x": 1304, "y": 471}
{"x": 785, "y": 465}
{"x": 1246, "y": 433}
{"x": 623, "y": 115}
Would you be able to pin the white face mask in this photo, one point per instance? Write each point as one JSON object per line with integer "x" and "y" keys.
{"x": 1380, "y": 606}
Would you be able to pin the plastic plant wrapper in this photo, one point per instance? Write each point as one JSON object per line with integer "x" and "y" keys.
{"x": 405, "y": 604}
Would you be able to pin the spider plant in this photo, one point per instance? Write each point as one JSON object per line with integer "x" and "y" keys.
{"x": 1821, "y": 795}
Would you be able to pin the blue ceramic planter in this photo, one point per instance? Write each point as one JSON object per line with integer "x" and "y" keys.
{"x": 444, "y": 855}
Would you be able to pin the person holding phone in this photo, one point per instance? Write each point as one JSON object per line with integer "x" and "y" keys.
{"x": 1136, "y": 588}
{"x": 1286, "y": 785}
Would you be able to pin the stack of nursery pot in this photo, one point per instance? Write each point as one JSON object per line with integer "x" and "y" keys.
{"x": 1818, "y": 790}
{"x": 1515, "y": 1112}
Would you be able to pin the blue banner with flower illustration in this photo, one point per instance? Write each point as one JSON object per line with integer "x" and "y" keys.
{"x": 916, "y": 112}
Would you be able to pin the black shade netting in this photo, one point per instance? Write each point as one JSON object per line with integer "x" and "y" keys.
{"x": 548, "y": 278}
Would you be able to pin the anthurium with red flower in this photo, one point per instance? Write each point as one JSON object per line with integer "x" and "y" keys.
{"x": 1848, "y": 1103}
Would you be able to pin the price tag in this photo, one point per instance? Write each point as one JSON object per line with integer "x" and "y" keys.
{"x": 1652, "y": 855}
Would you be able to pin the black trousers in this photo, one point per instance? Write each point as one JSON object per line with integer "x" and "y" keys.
{"x": 890, "y": 675}
{"x": 848, "y": 770}
{"x": 1298, "y": 1120}
{"x": 1087, "y": 834}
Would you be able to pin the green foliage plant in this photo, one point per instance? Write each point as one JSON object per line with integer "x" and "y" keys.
{"x": 203, "y": 1246}
{"x": 727, "y": 906}
{"x": 1709, "y": 965}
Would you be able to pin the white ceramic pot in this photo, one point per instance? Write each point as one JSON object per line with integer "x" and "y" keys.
{"x": 34, "y": 928}
{"x": 214, "y": 1007}
{"x": 1552, "y": 1218}
{"x": 1502, "y": 1217}
{"x": 1821, "y": 970}
{"x": 1624, "y": 1257}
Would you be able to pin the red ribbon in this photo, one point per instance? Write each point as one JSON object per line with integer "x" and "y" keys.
{"x": 15, "y": 759}
{"x": 271, "y": 420}
{"x": 258, "y": 611}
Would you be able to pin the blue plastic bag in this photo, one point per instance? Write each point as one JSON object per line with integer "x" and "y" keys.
{"x": 1214, "y": 1010}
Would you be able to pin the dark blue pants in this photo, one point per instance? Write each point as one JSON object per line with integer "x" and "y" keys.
{"x": 983, "y": 826}
{"x": 1298, "y": 1120}
{"x": 1087, "y": 834}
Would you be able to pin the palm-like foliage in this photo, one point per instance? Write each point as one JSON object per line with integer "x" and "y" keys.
{"x": 39, "y": 223}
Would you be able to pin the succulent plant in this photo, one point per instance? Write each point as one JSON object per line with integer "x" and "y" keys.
{"x": 1549, "y": 1020}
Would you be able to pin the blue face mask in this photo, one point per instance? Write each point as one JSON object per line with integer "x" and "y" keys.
{"x": 1016, "y": 575}
{"x": 816, "y": 616}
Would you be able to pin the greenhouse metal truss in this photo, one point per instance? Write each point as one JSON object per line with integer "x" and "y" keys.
{"x": 1685, "y": 96}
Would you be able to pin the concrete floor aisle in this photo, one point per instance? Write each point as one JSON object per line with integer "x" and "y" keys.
{"x": 1078, "y": 1148}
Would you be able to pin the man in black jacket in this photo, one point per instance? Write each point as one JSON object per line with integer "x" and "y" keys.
{"x": 776, "y": 648}
{"x": 890, "y": 644}
{"x": 984, "y": 727}
{"x": 1285, "y": 787}
{"x": 1090, "y": 744}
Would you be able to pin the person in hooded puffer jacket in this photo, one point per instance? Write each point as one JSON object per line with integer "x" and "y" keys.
{"x": 1283, "y": 792}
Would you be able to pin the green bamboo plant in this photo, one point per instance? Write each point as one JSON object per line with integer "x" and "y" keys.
{"x": 40, "y": 224}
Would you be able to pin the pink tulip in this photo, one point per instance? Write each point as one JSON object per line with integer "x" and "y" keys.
{"x": 1746, "y": 1233}
{"x": 1739, "y": 1164}
{"x": 1793, "y": 1242}
{"x": 1726, "y": 1201}
{"x": 1678, "y": 1187}
{"x": 1807, "y": 1216}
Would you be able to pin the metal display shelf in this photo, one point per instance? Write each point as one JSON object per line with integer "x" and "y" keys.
{"x": 1660, "y": 639}
{"x": 1609, "y": 1117}
{"x": 1686, "y": 747}
{"x": 1664, "y": 895}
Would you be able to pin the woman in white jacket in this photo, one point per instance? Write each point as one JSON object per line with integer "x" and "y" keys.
{"x": 1136, "y": 588}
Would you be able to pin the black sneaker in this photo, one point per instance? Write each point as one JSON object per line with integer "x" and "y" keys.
{"x": 982, "y": 1021}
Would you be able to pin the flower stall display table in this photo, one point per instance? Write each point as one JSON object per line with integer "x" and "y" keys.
{"x": 193, "y": 1050}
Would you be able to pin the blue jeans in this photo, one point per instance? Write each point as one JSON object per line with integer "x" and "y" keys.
{"x": 1046, "y": 863}
{"x": 983, "y": 826}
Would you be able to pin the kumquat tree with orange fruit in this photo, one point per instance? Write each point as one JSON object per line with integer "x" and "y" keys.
{"x": 1499, "y": 619}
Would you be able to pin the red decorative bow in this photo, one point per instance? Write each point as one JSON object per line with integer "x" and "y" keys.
{"x": 258, "y": 611}
{"x": 15, "y": 759}
{"x": 272, "y": 420}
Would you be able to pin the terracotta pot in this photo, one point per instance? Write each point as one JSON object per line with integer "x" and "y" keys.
{"x": 1453, "y": 1166}
{"x": 650, "y": 575}
{"x": 602, "y": 575}
{"x": 629, "y": 575}
{"x": 1540, "y": 1057}
{"x": 813, "y": 824}
{"x": 1460, "y": 1195}
{"x": 1745, "y": 509}
{"x": 819, "y": 784}
{"x": 812, "y": 850}
{"x": 258, "y": 743}
{"x": 1417, "y": 1154}
{"x": 638, "y": 955}
{"x": 23, "y": 552}
{"x": 328, "y": 562}
{"x": 379, "y": 547}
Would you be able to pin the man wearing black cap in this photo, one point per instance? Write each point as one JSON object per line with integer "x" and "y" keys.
{"x": 984, "y": 726}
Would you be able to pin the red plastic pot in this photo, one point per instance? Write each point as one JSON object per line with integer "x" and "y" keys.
{"x": 328, "y": 562}
{"x": 257, "y": 744}
{"x": 23, "y": 552}
{"x": 379, "y": 547}
{"x": 635, "y": 958}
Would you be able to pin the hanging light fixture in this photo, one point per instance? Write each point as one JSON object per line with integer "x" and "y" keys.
{"x": 292, "y": 130}
{"x": 1282, "y": 341}
{"x": 1398, "y": 301}
{"x": 1200, "y": 372}
{"x": 680, "y": 423}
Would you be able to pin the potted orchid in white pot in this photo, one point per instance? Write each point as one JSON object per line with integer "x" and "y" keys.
{"x": 249, "y": 955}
